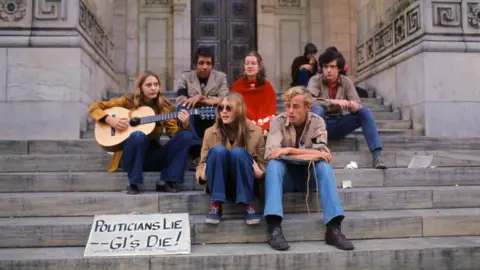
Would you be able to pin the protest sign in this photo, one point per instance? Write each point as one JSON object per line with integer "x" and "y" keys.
{"x": 144, "y": 234}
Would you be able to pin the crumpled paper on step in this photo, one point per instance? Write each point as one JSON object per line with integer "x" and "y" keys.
{"x": 420, "y": 161}
{"x": 352, "y": 165}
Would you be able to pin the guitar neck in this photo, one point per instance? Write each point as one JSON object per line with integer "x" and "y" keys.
{"x": 159, "y": 117}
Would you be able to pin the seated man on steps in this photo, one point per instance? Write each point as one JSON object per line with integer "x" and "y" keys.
{"x": 335, "y": 93}
{"x": 300, "y": 135}
{"x": 204, "y": 86}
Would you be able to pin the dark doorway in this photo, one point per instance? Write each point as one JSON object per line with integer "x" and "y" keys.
{"x": 229, "y": 28}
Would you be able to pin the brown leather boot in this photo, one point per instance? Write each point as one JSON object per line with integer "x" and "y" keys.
{"x": 335, "y": 237}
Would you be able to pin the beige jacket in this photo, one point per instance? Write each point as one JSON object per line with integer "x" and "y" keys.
{"x": 256, "y": 146}
{"x": 282, "y": 134}
{"x": 217, "y": 85}
{"x": 318, "y": 87}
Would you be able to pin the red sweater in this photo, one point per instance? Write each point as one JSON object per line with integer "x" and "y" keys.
{"x": 261, "y": 101}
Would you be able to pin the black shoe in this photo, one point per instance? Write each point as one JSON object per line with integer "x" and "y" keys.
{"x": 379, "y": 164}
{"x": 168, "y": 187}
{"x": 132, "y": 189}
{"x": 277, "y": 240}
{"x": 335, "y": 237}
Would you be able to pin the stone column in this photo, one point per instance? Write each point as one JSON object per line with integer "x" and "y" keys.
{"x": 55, "y": 59}
{"x": 182, "y": 54}
{"x": 132, "y": 43}
{"x": 266, "y": 39}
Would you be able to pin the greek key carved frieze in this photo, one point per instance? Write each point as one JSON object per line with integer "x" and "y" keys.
{"x": 384, "y": 39}
{"x": 51, "y": 9}
{"x": 399, "y": 27}
{"x": 447, "y": 14}
{"x": 12, "y": 10}
{"x": 370, "y": 51}
{"x": 89, "y": 23}
{"x": 156, "y": 2}
{"x": 473, "y": 15}
{"x": 361, "y": 55}
{"x": 414, "y": 21}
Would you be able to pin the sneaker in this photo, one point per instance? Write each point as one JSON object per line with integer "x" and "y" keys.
{"x": 379, "y": 164}
{"x": 215, "y": 214}
{"x": 335, "y": 237}
{"x": 132, "y": 189}
{"x": 168, "y": 187}
{"x": 277, "y": 240}
{"x": 251, "y": 217}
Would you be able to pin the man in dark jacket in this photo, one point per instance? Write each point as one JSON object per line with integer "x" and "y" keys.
{"x": 305, "y": 66}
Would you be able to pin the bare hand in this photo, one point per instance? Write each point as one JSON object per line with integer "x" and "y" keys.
{"x": 119, "y": 124}
{"x": 325, "y": 156}
{"x": 279, "y": 152}
{"x": 354, "y": 106}
{"x": 257, "y": 171}
{"x": 210, "y": 101}
{"x": 184, "y": 117}
{"x": 190, "y": 103}
{"x": 345, "y": 104}
{"x": 306, "y": 66}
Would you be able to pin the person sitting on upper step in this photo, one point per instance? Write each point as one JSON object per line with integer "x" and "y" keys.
{"x": 258, "y": 93}
{"x": 297, "y": 148}
{"x": 333, "y": 95}
{"x": 231, "y": 159}
{"x": 305, "y": 66}
{"x": 203, "y": 85}
{"x": 145, "y": 153}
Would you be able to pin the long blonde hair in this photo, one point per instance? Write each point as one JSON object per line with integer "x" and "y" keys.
{"x": 238, "y": 106}
{"x": 140, "y": 100}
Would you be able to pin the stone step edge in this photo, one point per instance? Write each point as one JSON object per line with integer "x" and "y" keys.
{"x": 56, "y": 231}
{"x": 420, "y": 253}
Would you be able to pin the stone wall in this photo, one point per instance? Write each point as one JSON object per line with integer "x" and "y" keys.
{"x": 426, "y": 62}
{"x": 56, "y": 59}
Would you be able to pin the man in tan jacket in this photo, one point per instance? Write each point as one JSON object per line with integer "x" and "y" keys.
{"x": 299, "y": 136}
{"x": 336, "y": 100}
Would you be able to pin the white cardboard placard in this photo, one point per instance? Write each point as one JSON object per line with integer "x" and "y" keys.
{"x": 139, "y": 234}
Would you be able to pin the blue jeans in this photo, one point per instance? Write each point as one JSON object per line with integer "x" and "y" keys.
{"x": 339, "y": 128}
{"x": 282, "y": 177}
{"x": 198, "y": 126}
{"x": 230, "y": 173}
{"x": 140, "y": 154}
{"x": 303, "y": 76}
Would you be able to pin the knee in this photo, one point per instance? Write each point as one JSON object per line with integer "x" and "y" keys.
{"x": 137, "y": 138}
{"x": 323, "y": 166}
{"x": 318, "y": 110}
{"x": 239, "y": 152}
{"x": 218, "y": 151}
{"x": 275, "y": 166}
{"x": 365, "y": 112}
{"x": 185, "y": 135}
{"x": 302, "y": 71}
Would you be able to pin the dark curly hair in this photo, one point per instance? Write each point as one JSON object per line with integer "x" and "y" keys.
{"x": 261, "y": 75}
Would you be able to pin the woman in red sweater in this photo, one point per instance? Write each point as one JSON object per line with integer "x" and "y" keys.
{"x": 258, "y": 93}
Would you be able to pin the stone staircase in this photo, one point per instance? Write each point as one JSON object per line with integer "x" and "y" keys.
{"x": 398, "y": 218}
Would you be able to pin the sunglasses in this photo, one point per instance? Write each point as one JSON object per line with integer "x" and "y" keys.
{"x": 228, "y": 108}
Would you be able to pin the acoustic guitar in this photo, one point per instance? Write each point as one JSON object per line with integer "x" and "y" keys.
{"x": 142, "y": 119}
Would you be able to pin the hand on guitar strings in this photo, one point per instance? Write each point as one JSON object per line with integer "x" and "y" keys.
{"x": 184, "y": 117}
{"x": 119, "y": 124}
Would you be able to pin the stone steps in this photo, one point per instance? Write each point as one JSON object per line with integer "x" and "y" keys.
{"x": 74, "y": 231}
{"x": 43, "y": 204}
{"x": 438, "y": 253}
{"x": 117, "y": 181}
{"x": 99, "y": 162}
{"x": 351, "y": 143}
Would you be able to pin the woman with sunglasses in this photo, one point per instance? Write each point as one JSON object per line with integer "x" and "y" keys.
{"x": 258, "y": 93}
{"x": 232, "y": 157}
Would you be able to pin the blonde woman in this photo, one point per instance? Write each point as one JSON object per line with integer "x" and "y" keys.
{"x": 144, "y": 153}
{"x": 232, "y": 157}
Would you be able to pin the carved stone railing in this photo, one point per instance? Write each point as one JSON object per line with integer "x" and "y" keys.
{"x": 423, "y": 20}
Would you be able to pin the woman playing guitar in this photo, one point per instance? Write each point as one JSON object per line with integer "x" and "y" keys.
{"x": 142, "y": 152}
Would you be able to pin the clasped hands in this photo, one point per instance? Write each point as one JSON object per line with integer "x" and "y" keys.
{"x": 353, "y": 106}
{"x": 311, "y": 155}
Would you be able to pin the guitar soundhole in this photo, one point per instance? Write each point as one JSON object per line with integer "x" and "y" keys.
{"x": 112, "y": 130}
{"x": 134, "y": 121}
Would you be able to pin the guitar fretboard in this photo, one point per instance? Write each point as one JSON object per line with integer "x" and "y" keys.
{"x": 161, "y": 117}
